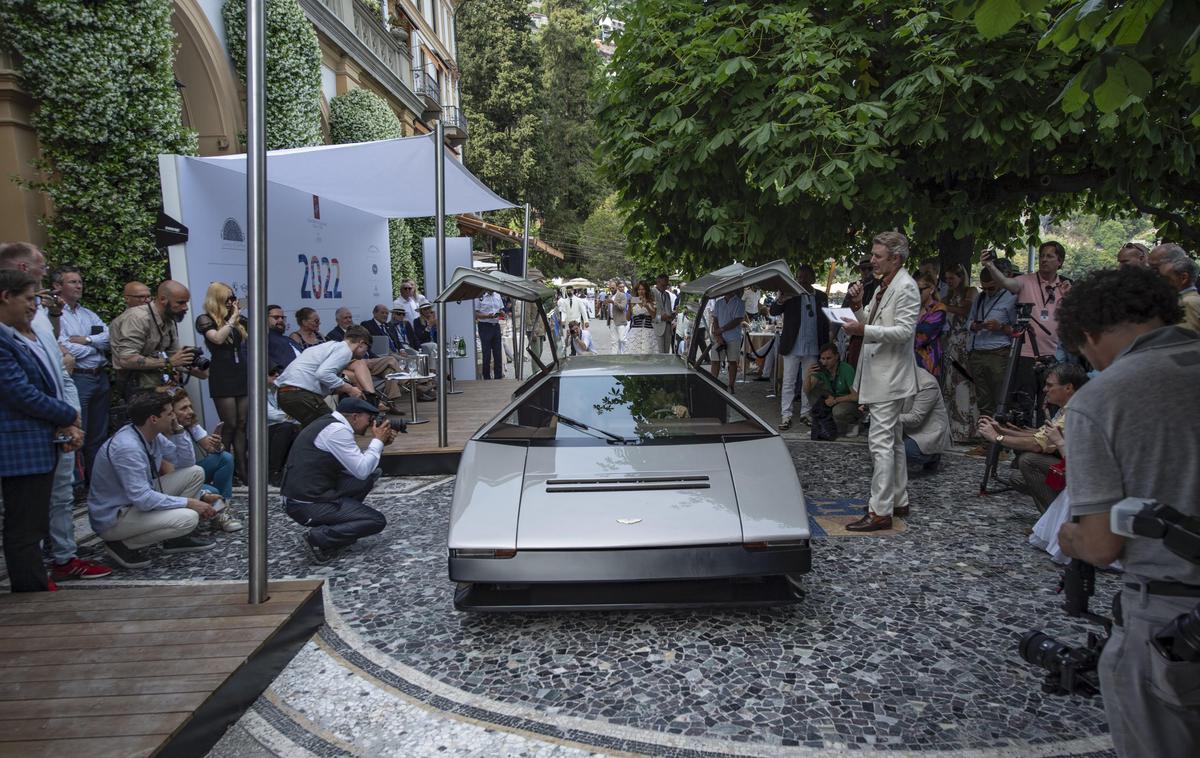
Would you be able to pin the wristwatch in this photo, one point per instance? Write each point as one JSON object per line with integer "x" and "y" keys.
{"x": 88, "y": 340}
{"x": 1000, "y": 438}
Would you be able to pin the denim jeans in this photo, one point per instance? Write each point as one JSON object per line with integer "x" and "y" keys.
{"x": 94, "y": 394}
{"x": 218, "y": 472}
{"x": 914, "y": 456}
{"x": 62, "y": 510}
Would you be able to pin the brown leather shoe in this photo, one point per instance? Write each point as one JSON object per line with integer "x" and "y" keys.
{"x": 902, "y": 511}
{"x": 871, "y": 523}
{"x": 855, "y": 524}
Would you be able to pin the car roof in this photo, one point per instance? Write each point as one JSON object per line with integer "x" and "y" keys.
{"x": 607, "y": 365}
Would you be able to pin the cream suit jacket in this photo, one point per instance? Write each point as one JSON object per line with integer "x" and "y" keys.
{"x": 887, "y": 365}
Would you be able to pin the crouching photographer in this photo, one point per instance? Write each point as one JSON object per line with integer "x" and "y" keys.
{"x": 1120, "y": 429}
{"x": 328, "y": 476}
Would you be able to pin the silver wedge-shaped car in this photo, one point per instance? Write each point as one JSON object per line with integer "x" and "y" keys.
{"x": 627, "y": 481}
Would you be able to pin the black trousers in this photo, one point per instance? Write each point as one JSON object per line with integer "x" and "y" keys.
{"x": 26, "y": 526}
{"x": 342, "y": 522}
{"x": 279, "y": 443}
{"x": 489, "y": 342}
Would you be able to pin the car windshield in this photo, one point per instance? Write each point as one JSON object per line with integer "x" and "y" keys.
{"x": 631, "y": 409}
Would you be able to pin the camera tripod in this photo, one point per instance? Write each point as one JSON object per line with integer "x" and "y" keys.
{"x": 1020, "y": 331}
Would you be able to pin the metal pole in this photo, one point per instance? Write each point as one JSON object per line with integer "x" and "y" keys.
{"x": 519, "y": 358}
{"x": 256, "y": 267}
{"x": 439, "y": 183}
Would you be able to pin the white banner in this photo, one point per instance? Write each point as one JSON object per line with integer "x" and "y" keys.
{"x": 460, "y": 317}
{"x": 320, "y": 254}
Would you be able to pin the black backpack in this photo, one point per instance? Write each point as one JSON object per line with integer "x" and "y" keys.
{"x": 823, "y": 425}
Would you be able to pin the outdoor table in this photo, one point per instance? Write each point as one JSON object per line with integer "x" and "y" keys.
{"x": 412, "y": 380}
{"x": 450, "y": 359}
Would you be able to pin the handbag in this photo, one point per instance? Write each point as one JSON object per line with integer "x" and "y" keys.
{"x": 1056, "y": 476}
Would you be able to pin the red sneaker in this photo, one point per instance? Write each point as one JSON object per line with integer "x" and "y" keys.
{"x": 77, "y": 568}
{"x": 51, "y": 586}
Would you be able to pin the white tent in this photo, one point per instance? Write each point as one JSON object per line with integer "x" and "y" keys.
{"x": 390, "y": 178}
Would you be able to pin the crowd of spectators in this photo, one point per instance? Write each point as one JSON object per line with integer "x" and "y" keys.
{"x": 98, "y": 413}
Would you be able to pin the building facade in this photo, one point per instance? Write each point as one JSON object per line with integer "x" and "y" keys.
{"x": 402, "y": 50}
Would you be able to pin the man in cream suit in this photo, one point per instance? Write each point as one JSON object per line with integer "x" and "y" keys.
{"x": 887, "y": 374}
{"x": 664, "y": 321}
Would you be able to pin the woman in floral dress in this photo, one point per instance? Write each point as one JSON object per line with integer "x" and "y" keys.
{"x": 958, "y": 390}
{"x": 928, "y": 342}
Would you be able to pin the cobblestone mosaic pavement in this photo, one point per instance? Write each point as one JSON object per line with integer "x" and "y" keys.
{"x": 905, "y": 643}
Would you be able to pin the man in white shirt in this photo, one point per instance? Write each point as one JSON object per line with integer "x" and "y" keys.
{"x": 664, "y": 320}
{"x": 618, "y": 326}
{"x": 408, "y": 300}
{"x": 317, "y": 372}
{"x": 327, "y": 478}
{"x": 488, "y": 308}
{"x": 85, "y": 336}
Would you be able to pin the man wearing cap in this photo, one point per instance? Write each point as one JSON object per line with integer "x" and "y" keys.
{"x": 327, "y": 478}
{"x": 400, "y": 333}
{"x": 425, "y": 327}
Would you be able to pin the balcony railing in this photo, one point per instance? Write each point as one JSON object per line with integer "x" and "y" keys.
{"x": 357, "y": 28}
{"x": 425, "y": 84}
{"x": 455, "y": 123}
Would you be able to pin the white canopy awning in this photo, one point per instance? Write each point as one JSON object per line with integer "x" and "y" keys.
{"x": 389, "y": 178}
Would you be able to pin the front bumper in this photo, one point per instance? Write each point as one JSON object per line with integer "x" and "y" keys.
{"x": 689, "y": 576}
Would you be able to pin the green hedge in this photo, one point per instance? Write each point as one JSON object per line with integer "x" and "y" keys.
{"x": 293, "y": 73}
{"x": 101, "y": 75}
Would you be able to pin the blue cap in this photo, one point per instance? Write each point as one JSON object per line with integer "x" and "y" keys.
{"x": 349, "y": 405}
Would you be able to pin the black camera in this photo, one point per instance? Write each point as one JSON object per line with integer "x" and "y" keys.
{"x": 200, "y": 361}
{"x": 1073, "y": 670}
{"x": 397, "y": 426}
{"x": 1024, "y": 312}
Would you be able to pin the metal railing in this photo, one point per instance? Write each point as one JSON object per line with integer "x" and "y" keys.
{"x": 454, "y": 118}
{"x": 425, "y": 84}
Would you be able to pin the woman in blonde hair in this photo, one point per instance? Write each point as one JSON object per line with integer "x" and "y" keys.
{"x": 224, "y": 330}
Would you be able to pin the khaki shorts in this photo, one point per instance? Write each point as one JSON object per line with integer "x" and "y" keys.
{"x": 731, "y": 350}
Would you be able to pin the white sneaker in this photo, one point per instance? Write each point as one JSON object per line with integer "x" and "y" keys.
{"x": 854, "y": 430}
{"x": 226, "y": 523}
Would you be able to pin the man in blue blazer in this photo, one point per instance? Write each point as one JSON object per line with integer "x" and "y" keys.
{"x": 280, "y": 349}
{"x": 31, "y": 414}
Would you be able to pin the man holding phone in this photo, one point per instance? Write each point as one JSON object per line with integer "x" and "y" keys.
{"x": 85, "y": 336}
{"x": 990, "y": 321}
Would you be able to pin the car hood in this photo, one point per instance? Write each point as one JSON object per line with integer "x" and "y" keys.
{"x": 627, "y": 497}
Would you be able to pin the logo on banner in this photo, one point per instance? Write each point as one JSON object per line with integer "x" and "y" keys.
{"x": 232, "y": 237}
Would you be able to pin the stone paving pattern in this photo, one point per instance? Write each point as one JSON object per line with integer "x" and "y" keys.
{"x": 905, "y": 643}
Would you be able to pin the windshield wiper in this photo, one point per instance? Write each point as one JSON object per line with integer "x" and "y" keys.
{"x": 582, "y": 426}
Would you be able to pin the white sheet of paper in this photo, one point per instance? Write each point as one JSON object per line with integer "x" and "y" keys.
{"x": 838, "y": 315}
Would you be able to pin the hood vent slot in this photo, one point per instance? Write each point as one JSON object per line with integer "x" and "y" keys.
{"x": 628, "y": 484}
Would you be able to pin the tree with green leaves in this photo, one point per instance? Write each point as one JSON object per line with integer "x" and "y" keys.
{"x": 795, "y": 129}
{"x": 1125, "y": 50}
{"x": 500, "y": 91}
{"x": 571, "y": 187}
{"x": 101, "y": 76}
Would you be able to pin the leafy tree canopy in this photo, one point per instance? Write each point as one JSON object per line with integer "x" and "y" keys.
{"x": 1126, "y": 48}
{"x": 793, "y": 129}
{"x": 500, "y": 91}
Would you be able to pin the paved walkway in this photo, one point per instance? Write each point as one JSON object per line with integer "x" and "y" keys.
{"x": 904, "y": 644}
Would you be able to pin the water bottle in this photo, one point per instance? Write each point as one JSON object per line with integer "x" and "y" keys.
{"x": 460, "y": 347}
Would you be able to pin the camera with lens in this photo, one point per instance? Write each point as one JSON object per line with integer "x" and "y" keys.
{"x": 200, "y": 361}
{"x": 1018, "y": 411}
{"x": 1073, "y": 670}
{"x": 399, "y": 427}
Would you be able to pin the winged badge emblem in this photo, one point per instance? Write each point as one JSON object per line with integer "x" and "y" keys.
{"x": 629, "y": 521}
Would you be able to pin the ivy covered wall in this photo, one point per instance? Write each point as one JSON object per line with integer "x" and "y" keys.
{"x": 293, "y": 71}
{"x": 101, "y": 76}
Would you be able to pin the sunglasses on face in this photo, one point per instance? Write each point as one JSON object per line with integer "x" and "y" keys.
{"x": 1049, "y": 295}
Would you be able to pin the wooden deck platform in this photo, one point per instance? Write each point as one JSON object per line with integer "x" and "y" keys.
{"x": 147, "y": 670}
{"x": 417, "y": 453}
